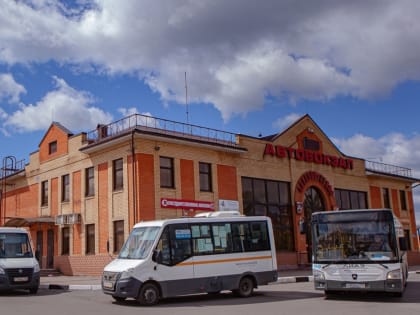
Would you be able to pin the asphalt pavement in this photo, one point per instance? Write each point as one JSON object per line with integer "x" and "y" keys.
{"x": 61, "y": 282}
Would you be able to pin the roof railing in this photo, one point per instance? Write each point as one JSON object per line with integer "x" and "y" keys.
{"x": 387, "y": 168}
{"x": 161, "y": 126}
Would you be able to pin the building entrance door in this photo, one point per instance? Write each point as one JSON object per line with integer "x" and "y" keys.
{"x": 50, "y": 249}
{"x": 39, "y": 247}
{"x": 313, "y": 202}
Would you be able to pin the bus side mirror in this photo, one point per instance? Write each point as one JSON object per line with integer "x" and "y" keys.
{"x": 403, "y": 243}
{"x": 157, "y": 256}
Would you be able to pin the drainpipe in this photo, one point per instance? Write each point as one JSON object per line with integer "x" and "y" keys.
{"x": 133, "y": 171}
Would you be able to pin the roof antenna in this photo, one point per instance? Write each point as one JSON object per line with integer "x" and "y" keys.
{"x": 186, "y": 96}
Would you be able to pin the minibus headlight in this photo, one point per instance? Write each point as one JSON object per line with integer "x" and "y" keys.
{"x": 394, "y": 274}
{"x": 127, "y": 274}
{"x": 36, "y": 268}
{"x": 2, "y": 271}
{"x": 318, "y": 275}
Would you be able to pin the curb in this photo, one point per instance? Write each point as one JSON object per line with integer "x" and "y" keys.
{"x": 66, "y": 287}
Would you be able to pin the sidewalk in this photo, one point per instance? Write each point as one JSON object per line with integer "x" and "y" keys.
{"x": 94, "y": 282}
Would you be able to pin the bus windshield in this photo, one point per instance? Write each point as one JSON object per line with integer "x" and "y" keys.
{"x": 139, "y": 243}
{"x": 15, "y": 245}
{"x": 354, "y": 240}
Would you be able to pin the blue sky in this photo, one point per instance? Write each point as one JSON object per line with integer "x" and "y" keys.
{"x": 253, "y": 67}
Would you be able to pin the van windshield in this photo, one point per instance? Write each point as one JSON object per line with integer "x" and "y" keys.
{"x": 15, "y": 245}
{"x": 139, "y": 243}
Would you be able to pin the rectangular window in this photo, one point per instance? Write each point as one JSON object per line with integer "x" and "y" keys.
{"x": 90, "y": 239}
{"x": 310, "y": 144}
{"x": 403, "y": 201}
{"x": 89, "y": 182}
{"x": 52, "y": 147}
{"x": 271, "y": 198}
{"x": 118, "y": 235}
{"x": 167, "y": 172}
{"x": 44, "y": 193}
{"x": 387, "y": 201}
{"x": 407, "y": 238}
{"x": 65, "y": 188}
{"x": 350, "y": 199}
{"x": 205, "y": 176}
{"x": 117, "y": 172}
{"x": 65, "y": 241}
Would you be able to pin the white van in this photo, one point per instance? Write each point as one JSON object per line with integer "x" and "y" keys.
{"x": 173, "y": 257}
{"x": 18, "y": 267}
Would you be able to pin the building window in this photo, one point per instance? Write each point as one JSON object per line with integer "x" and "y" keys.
{"x": 403, "y": 201}
{"x": 89, "y": 182}
{"x": 65, "y": 188}
{"x": 117, "y": 171}
{"x": 118, "y": 235}
{"x": 52, "y": 147}
{"x": 44, "y": 193}
{"x": 90, "y": 239}
{"x": 205, "y": 176}
{"x": 310, "y": 144}
{"x": 65, "y": 241}
{"x": 407, "y": 238}
{"x": 167, "y": 172}
{"x": 271, "y": 198}
{"x": 350, "y": 199}
{"x": 387, "y": 201}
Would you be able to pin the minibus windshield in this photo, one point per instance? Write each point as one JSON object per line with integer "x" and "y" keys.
{"x": 15, "y": 245}
{"x": 139, "y": 243}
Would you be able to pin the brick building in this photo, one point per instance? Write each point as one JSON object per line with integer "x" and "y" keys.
{"x": 79, "y": 195}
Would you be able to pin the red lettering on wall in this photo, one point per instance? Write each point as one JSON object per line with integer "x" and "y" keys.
{"x": 307, "y": 156}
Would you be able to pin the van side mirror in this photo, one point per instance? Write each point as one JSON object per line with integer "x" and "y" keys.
{"x": 403, "y": 243}
{"x": 157, "y": 256}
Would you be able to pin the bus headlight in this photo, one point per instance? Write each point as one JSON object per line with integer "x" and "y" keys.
{"x": 2, "y": 271}
{"x": 318, "y": 275}
{"x": 393, "y": 275}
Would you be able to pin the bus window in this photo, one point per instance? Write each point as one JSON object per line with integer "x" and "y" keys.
{"x": 180, "y": 240}
{"x": 202, "y": 239}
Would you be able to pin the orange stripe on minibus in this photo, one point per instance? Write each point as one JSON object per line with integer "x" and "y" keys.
{"x": 218, "y": 261}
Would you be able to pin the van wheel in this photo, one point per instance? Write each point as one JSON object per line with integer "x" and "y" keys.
{"x": 246, "y": 287}
{"x": 148, "y": 295}
{"x": 33, "y": 290}
{"x": 118, "y": 298}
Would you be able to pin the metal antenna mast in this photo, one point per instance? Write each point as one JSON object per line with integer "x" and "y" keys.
{"x": 186, "y": 96}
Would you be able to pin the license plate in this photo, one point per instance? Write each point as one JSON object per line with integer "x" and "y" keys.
{"x": 108, "y": 285}
{"x": 355, "y": 285}
{"x": 20, "y": 279}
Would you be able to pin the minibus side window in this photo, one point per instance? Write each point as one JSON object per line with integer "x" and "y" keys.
{"x": 180, "y": 242}
{"x": 164, "y": 248}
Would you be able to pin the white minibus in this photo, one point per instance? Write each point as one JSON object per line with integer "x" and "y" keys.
{"x": 184, "y": 256}
{"x": 19, "y": 268}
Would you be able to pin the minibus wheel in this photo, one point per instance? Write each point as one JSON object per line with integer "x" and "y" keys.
{"x": 246, "y": 287}
{"x": 149, "y": 294}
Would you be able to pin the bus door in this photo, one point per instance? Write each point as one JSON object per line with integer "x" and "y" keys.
{"x": 174, "y": 267}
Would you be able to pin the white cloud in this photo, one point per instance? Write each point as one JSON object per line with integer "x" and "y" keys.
{"x": 64, "y": 104}
{"x": 394, "y": 149}
{"x": 234, "y": 58}
{"x": 286, "y": 121}
{"x": 10, "y": 89}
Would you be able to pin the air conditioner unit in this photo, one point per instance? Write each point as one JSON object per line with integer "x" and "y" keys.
{"x": 73, "y": 218}
{"x": 60, "y": 219}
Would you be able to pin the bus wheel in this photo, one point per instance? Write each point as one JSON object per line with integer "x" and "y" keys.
{"x": 149, "y": 294}
{"x": 246, "y": 287}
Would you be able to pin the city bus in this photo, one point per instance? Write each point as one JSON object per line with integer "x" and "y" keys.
{"x": 173, "y": 257}
{"x": 359, "y": 250}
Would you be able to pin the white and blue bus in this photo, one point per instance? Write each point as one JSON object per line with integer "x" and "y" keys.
{"x": 359, "y": 250}
{"x": 184, "y": 256}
